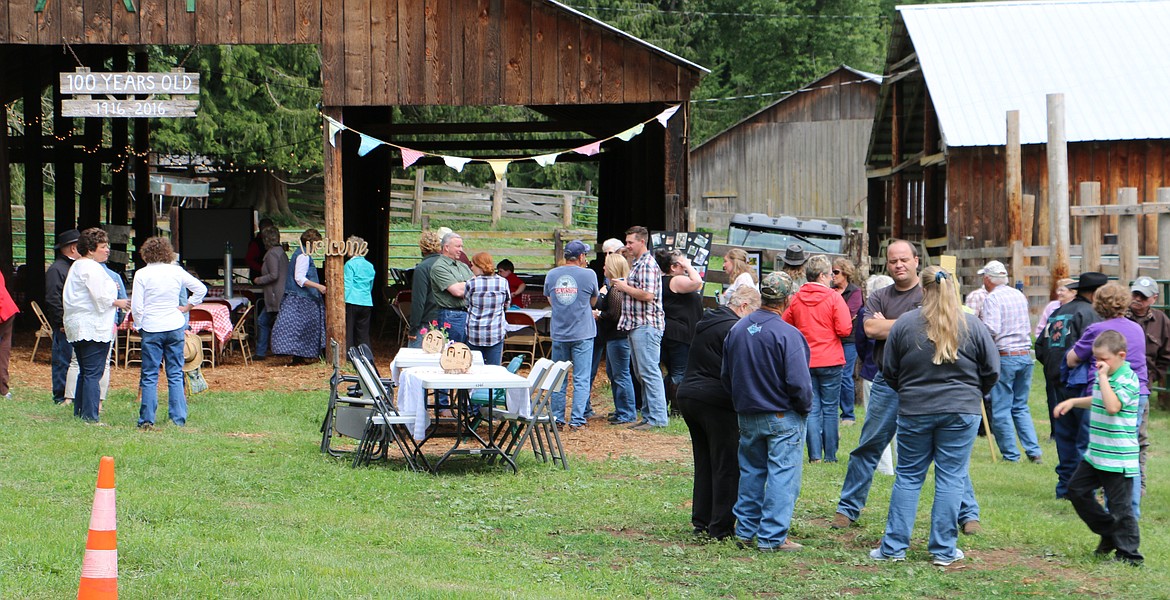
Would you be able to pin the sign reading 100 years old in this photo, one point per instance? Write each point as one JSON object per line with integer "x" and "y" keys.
{"x": 103, "y": 94}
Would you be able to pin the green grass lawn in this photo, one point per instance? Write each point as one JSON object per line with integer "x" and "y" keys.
{"x": 240, "y": 504}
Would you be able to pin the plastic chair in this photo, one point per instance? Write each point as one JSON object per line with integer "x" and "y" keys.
{"x": 45, "y": 331}
{"x": 543, "y": 427}
{"x": 497, "y": 398}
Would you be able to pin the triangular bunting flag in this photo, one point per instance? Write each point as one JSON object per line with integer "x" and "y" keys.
{"x": 665, "y": 115}
{"x": 629, "y": 134}
{"x": 409, "y": 157}
{"x": 545, "y": 160}
{"x": 334, "y": 127}
{"x": 589, "y": 149}
{"x": 368, "y": 144}
{"x": 456, "y": 162}
{"x": 499, "y": 166}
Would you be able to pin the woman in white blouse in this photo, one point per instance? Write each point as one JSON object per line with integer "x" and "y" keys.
{"x": 161, "y": 314}
{"x": 90, "y": 300}
{"x": 739, "y": 273}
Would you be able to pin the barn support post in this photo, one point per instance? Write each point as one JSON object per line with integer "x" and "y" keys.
{"x": 334, "y": 230}
{"x": 64, "y": 164}
{"x": 1163, "y": 232}
{"x": 1089, "y": 194}
{"x": 6, "y": 199}
{"x": 1013, "y": 180}
{"x": 1127, "y": 235}
{"x": 34, "y": 186}
{"x": 1058, "y": 187}
{"x": 118, "y": 207}
{"x": 498, "y": 201}
{"x": 144, "y": 217}
{"x": 416, "y": 210}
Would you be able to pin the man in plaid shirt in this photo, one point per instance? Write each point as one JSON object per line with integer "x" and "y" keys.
{"x": 643, "y": 318}
{"x": 1005, "y": 312}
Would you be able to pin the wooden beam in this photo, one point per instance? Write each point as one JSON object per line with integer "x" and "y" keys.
{"x": 5, "y": 200}
{"x": 904, "y": 74}
{"x": 432, "y": 145}
{"x": 933, "y": 159}
{"x": 1163, "y": 234}
{"x": 1147, "y": 208}
{"x": 1058, "y": 186}
{"x": 389, "y": 129}
{"x": 1089, "y": 196}
{"x": 913, "y": 56}
{"x": 334, "y": 278}
{"x": 1127, "y": 236}
{"x": 34, "y": 187}
{"x": 1013, "y": 179}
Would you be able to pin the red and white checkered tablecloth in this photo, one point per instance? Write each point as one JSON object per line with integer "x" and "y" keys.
{"x": 221, "y": 321}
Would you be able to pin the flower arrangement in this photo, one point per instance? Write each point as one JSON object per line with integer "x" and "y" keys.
{"x": 435, "y": 337}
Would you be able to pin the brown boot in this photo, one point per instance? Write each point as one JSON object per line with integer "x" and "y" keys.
{"x": 971, "y": 528}
{"x": 841, "y": 521}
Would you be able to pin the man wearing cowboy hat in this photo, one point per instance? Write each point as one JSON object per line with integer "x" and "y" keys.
{"x": 55, "y": 308}
{"x": 1064, "y": 328}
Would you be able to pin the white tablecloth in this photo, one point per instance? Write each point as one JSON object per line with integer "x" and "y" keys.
{"x": 414, "y": 383}
{"x": 415, "y": 357}
{"x": 537, "y": 314}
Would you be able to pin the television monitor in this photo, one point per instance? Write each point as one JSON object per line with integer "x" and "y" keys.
{"x": 205, "y": 232}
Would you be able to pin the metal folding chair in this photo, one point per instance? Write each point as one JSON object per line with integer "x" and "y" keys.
{"x": 345, "y": 415}
{"x": 523, "y": 341}
{"x": 512, "y": 424}
{"x": 542, "y": 427}
{"x": 385, "y": 424}
{"x": 46, "y": 331}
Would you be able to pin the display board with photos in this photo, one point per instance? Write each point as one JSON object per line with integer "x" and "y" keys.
{"x": 695, "y": 246}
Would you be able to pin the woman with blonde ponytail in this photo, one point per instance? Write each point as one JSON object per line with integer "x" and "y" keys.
{"x": 941, "y": 361}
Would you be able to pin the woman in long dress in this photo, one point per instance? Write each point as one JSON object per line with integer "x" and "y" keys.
{"x": 299, "y": 330}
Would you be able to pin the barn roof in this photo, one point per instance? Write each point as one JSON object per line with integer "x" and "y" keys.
{"x": 1110, "y": 59}
{"x": 862, "y": 77}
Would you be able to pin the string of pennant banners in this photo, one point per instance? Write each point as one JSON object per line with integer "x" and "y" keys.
{"x": 499, "y": 165}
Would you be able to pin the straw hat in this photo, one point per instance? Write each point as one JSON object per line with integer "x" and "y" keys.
{"x": 192, "y": 352}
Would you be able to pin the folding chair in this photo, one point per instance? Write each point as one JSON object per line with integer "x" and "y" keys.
{"x": 345, "y": 416}
{"x": 543, "y": 427}
{"x": 133, "y": 345}
{"x": 207, "y": 337}
{"x": 239, "y": 335}
{"x": 512, "y": 423}
{"x": 44, "y": 332}
{"x": 401, "y": 308}
{"x": 523, "y": 341}
{"x": 385, "y": 424}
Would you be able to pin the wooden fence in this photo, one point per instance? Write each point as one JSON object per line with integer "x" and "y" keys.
{"x": 500, "y": 244}
{"x": 411, "y": 199}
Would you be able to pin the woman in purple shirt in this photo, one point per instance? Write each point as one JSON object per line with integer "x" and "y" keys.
{"x": 1110, "y": 302}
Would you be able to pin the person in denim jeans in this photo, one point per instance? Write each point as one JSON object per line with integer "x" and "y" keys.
{"x": 882, "y": 308}
{"x": 572, "y": 292}
{"x": 644, "y": 319}
{"x": 160, "y": 313}
{"x": 844, "y": 273}
{"x": 1005, "y": 313}
{"x": 766, "y": 373}
{"x": 822, "y": 317}
{"x": 941, "y": 361}
{"x": 617, "y": 344}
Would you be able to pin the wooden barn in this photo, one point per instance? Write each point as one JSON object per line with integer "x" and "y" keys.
{"x": 581, "y": 75}
{"x": 937, "y": 154}
{"x": 803, "y": 155}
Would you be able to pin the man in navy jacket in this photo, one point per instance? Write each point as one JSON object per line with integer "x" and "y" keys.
{"x": 765, "y": 368}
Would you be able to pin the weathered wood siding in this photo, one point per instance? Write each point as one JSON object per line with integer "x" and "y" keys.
{"x": 478, "y": 52}
{"x": 391, "y": 52}
{"x": 977, "y": 203}
{"x": 803, "y": 156}
{"x": 108, "y": 22}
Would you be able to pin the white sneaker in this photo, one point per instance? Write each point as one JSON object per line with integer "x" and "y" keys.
{"x": 946, "y": 562}
{"x": 876, "y": 554}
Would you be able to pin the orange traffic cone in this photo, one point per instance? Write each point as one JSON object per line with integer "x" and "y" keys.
{"x": 99, "y": 569}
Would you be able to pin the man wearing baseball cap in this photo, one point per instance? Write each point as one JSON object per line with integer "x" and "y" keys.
{"x": 55, "y": 308}
{"x": 572, "y": 293}
{"x": 765, "y": 369}
{"x": 1065, "y": 326}
{"x": 1156, "y": 326}
{"x": 1005, "y": 313}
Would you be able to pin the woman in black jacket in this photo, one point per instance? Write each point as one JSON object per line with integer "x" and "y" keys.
{"x": 706, "y": 407}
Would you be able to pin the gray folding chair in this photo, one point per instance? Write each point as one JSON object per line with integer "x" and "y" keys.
{"x": 542, "y": 428}
{"x": 512, "y": 424}
{"x": 344, "y": 415}
{"x": 385, "y": 424}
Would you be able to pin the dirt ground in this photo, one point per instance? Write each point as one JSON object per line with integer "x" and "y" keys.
{"x": 598, "y": 441}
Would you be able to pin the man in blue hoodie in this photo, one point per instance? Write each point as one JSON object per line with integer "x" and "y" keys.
{"x": 766, "y": 372}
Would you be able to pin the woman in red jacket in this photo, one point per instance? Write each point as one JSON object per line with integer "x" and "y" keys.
{"x": 8, "y": 312}
{"x": 820, "y": 313}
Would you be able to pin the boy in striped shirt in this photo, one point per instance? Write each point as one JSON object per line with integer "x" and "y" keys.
{"x": 1111, "y": 460}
